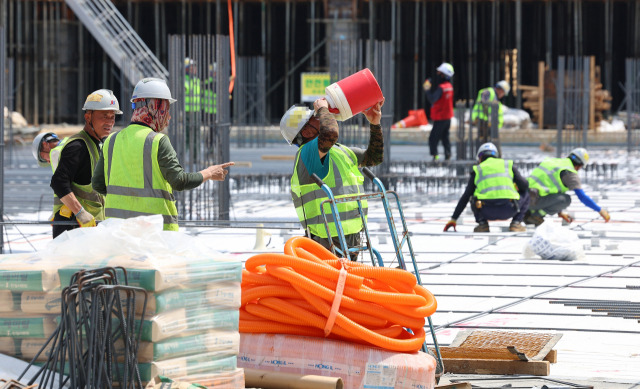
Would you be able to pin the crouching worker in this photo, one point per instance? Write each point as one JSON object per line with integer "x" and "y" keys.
{"x": 549, "y": 182}
{"x": 497, "y": 191}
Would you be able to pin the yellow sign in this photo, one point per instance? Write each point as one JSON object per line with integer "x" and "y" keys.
{"x": 312, "y": 86}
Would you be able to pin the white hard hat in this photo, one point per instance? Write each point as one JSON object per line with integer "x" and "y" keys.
{"x": 293, "y": 120}
{"x": 37, "y": 146}
{"x": 188, "y": 62}
{"x": 102, "y": 100}
{"x": 446, "y": 69}
{"x": 504, "y": 86}
{"x": 487, "y": 149}
{"x": 152, "y": 88}
{"x": 580, "y": 155}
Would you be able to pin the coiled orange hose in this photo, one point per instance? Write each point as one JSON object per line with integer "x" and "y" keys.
{"x": 292, "y": 293}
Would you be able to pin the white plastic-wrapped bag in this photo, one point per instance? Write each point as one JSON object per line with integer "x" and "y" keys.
{"x": 552, "y": 241}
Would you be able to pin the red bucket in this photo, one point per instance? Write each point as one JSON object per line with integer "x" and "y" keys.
{"x": 354, "y": 94}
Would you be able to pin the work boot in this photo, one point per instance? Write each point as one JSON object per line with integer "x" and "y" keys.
{"x": 481, "y": 227}
{"x": 517, "y": 227}
{"x": 533, "y": 218}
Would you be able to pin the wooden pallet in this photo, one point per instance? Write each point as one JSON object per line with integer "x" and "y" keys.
{"x": 500, "y": 352}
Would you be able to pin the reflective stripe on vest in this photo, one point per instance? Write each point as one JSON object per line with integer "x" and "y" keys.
{"x": 135, "y": 185}
{"x": 482, "y": 108}
{"x": 91, "y": 201}
{"x": 343, "y": 178}
{"x": 546, "y": 177}
{"x": 494, "y": 180}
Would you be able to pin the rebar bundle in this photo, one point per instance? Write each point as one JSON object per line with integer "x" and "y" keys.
{"x": 96, "y": 342}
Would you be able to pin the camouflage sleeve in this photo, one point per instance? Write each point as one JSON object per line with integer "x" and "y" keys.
{"x": 374, "y": 155}
{"x": 328, "y": 132}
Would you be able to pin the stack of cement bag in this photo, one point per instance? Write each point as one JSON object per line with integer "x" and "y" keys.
{"x": 190, "y": 327}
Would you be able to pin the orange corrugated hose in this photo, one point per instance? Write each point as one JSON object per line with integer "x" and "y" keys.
{"x": 293, "y": 293}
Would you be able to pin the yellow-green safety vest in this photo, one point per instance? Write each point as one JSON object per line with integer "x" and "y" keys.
{"x": 546, "y": 177}
{"x": 191, "y": 94}
{"x": 135, "y": 184}
{"x": 210, "y": 97}
{"x": 91, "y": 201}
{"x": 482, "y": 109}
{"x": 343, "y": 178}
{"x": 494, "y": 180}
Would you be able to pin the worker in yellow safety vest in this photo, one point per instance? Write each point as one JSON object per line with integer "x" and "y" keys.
{"x": 138, "y": 169}
{"x": 316, "y": 133}
{"x": 73, "y": 161}
{"x": 481, "y": 112}
{"x": 497, "y": 191}
{"x": 549, "y": 182}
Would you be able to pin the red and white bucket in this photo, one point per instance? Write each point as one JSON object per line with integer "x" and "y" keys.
{"x": 352, "y": 95}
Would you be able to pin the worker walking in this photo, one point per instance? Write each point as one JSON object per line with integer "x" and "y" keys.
{"x": 440, "y": 96}
{"x": 73, "y": 161}
{"x": 138, "y": 169}
{"x": 497, "y": 191}
{"x": 316, "y": 134}
{"x": 549, "y": 182}
{"x": 487, "y": 99}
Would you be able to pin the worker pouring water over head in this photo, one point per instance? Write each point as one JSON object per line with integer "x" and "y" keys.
{"x": 316, "y": 134}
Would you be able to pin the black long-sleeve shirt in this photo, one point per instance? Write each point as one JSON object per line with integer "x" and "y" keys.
{"x": 74, "y": 166}
{"x": 521, "y": 182}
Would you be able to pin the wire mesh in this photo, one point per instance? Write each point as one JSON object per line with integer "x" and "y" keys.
{"x": 573, "y": 89}
{"x": 249, "y": 103}
{"x": 632, "y": 101}
{"x": 200, "y": 124}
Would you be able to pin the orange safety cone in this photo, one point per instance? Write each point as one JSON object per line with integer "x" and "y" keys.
{"x": 417, "y": 117}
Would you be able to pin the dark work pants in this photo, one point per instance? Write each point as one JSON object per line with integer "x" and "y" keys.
{"x": 440, "y": 132}
{"x": 552, "y": 204}
{"x": 500, "y": 209}
{"x": 57, "y": 230}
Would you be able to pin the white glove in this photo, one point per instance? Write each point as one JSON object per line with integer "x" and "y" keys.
{"x": 85, "y": 219}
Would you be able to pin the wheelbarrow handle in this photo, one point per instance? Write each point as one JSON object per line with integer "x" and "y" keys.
{"x": 317, "y": 180}
{"x": 368, "y": 173}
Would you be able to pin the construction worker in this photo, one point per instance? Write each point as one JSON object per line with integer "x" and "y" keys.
{"x": 481, "y": 112}
{"x": 316, "y": 133}
{"x": 440, "y": 96}
{"x": 192, "y": 87}
{"x": 42, "y": 145}
{"x": 497, "y": 191}
{"x": 549, "y": 182}
{"x": 73, "y": 161}
{"x": 138, "y": 169}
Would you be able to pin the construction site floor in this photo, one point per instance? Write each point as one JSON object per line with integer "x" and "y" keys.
{"x": 481, "y": 280}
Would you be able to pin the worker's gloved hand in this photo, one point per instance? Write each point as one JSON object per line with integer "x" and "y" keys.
{"x": 85, "y": 219}
{"x": 427, "y": 84}
{"x": 451, "y": 223}
{"x": 566, "y": 217}
{"x": 605, "y": 215}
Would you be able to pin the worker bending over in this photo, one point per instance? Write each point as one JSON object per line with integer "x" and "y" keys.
{"x": 497, "y": 191}
{"x": 549, "y": 182}
{"x": 316, "y": 133}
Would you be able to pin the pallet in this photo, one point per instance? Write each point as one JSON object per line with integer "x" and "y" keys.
{"x": 500, "y": 353}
